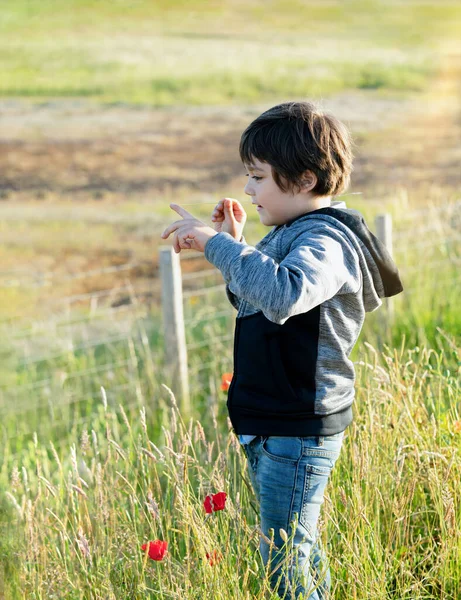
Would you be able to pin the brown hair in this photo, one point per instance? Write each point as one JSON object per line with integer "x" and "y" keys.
{"x": 295, "y": 137}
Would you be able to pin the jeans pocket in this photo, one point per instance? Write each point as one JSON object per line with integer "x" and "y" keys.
{"x": 282, "y": 449}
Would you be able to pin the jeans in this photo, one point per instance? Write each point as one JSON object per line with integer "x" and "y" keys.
{"x": 289, "y": 476}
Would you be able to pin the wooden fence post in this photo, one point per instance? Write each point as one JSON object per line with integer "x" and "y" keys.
{"x": 383, "y": 226}
{"x": 384, "y": 230}
{"x": 173, "y": 326}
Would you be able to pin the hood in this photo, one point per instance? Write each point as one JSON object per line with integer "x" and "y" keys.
{"x": 380, "y": 275}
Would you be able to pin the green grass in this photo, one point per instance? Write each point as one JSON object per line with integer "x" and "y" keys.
{"x": 163, "y": 54}
{"x": 76, "y": 469}
{"x": 390, "y": 515}
{"x": 178, "y": 82}
{"x": 371, "y": 18}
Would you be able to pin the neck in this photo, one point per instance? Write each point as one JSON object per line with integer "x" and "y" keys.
{"x": 308, "y": 205}
{"x": 319, "y": 202}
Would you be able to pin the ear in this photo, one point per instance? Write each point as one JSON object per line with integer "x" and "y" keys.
{"x": 309, "y": 181}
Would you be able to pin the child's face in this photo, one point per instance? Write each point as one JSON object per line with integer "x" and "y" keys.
{"x": 274, "y": 206}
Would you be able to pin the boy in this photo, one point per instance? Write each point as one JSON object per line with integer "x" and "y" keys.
{"x": 301, "y": 296}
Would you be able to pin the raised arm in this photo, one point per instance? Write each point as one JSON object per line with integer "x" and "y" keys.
{"x": 320, "y": 264}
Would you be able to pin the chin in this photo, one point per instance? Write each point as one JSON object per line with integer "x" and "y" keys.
{"x": 266, "y": 221}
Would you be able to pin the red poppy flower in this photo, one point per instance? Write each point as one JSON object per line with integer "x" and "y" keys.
{"x": 157, "y": 549}
{"x": 215, "y": 502}
{"x": 457, "y": 426}
{"x": 214, "y": 557}
{"x": 226, "y": 379}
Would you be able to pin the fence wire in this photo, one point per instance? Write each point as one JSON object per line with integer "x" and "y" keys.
{"x": 50, "y": 277}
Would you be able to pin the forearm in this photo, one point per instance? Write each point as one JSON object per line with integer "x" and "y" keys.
{"x": 307, "y": 277}
{"x": 256, "y": 278}
{"x": 253, "y": 276}
{"x": 233, "y": 299}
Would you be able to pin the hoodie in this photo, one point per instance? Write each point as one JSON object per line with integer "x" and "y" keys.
{"x": 301, "y": 295}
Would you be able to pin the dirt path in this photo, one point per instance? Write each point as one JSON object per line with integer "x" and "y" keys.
{"x": 427, "y": 150}
{"x": 78, "y": 150}
{"x": 74, "y": 150}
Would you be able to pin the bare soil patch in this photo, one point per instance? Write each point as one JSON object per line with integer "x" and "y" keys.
{"x": 79, "y": 150}
{"x": 76, "y": 151}
{"x": 422, "y": 148}
{"x": 82, "y": 151}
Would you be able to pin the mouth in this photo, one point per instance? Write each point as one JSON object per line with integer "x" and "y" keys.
{"x": 258, "y": 206}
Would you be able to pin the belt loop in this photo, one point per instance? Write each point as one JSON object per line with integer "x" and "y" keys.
{"x": 321, "y": 440}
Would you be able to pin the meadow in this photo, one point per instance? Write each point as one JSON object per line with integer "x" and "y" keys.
{"x": 391, "y": 515}
{"x": 167, "y": 53}
{"x": 96, "y": 457}
{"x": 98, "y": 460}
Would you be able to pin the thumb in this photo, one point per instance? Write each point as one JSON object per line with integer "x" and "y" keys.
{"x": 228, "y": 209}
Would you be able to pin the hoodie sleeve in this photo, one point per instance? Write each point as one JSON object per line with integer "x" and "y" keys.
{"x": 320, "y": 264}
{"x": 233, "y": 299}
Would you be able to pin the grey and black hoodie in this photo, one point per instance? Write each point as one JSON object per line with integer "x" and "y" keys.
{"x": 301, "y": 295}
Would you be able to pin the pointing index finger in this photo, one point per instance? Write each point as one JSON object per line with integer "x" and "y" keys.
{"x": 182, "y": 211}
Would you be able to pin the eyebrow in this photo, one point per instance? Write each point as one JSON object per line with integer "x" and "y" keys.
{"x": 253, "y": 168}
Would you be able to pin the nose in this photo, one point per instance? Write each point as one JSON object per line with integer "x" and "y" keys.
{"x": 248, "y": 189}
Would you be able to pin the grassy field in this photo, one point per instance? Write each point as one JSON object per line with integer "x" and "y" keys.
{"x": 131, "y": 475}
{"x": 85, "y": 485}
{"x": 95, "y": 458}
{"x": 219, "y": 52}
{"x": 81, "y": 483}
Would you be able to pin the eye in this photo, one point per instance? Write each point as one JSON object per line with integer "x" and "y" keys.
{"x": 254, "y": 177}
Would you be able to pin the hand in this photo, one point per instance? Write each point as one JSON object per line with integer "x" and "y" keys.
{"x": 190, "y": 233}
{"x": 229, "y": 216}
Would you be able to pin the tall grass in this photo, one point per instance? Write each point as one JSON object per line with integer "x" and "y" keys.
{"x": 74, "y": 519}
{"x": 87, "y": 478}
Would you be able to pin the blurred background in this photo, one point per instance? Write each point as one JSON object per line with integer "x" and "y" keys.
{"x": 111, "y": 109}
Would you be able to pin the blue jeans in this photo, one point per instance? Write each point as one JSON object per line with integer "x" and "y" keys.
{"x": 289, "y": 476}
